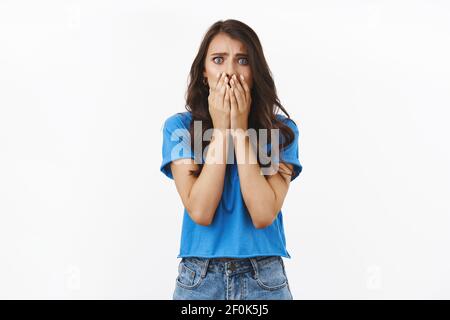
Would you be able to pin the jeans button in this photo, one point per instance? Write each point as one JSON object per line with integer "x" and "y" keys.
{"x": 231, "y": 268}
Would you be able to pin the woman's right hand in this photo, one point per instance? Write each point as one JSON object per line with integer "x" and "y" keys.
{"x": 219, "y": 102}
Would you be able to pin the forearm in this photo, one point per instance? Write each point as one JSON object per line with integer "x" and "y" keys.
{"x": 257, "y": 193}
{"x": 206, "y": 192}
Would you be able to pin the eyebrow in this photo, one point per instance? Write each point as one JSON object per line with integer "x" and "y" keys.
{"x": 226, "y": 54}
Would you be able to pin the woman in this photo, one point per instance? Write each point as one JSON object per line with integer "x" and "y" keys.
{"x": 232, "y": 240}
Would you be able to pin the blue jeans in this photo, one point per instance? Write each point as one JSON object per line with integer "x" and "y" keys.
{"x": 259, "y": 278}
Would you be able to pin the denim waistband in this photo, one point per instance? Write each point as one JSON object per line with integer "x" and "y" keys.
{"x": 230, "y": 267}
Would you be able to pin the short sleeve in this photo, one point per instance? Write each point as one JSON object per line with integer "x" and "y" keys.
{"x": 290, "y": 153}
{"x": 176, "y": 142}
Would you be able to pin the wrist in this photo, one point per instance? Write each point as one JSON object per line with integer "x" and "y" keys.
{"x": 238, "y": 133}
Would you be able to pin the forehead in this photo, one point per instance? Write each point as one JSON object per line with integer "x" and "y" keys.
{"x": 224, "y": 43}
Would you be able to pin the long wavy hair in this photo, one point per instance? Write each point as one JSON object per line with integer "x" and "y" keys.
{"x": 265, "y": 102}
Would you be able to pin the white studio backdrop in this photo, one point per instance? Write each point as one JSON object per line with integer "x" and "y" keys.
{"x": 85, "y": 87}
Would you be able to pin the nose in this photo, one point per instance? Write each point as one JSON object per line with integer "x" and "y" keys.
{"x": 230, "y": 68}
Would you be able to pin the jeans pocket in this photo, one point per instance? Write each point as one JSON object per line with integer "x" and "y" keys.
{"x": 189, "y": 274}
{"x": 271, "y": 274}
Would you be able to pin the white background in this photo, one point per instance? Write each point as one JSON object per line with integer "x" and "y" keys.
{"x": 86, "y": 86}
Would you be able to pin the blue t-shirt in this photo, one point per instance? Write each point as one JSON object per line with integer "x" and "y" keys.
{"x": 231, "y": 233}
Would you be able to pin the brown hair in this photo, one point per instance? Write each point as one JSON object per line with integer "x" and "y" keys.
{"x": 264, "y": 96}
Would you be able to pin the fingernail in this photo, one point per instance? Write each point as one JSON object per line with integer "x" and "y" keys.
{"x": 242, "y": 77}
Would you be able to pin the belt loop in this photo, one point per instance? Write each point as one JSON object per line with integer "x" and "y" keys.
{"x": 255, "y": 266}
{"x": 205, "y": 267}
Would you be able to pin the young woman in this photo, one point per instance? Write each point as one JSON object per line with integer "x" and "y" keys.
{"x": 232, "y": 240}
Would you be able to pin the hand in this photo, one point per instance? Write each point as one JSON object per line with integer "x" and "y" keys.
{"x": 219, "y": 102}
{"x": 240, "y": 99}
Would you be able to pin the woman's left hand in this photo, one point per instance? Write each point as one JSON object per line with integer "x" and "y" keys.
{"x": 240, "y": 100}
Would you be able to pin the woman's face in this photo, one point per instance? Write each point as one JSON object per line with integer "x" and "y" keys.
{"x": 227, "y": 55}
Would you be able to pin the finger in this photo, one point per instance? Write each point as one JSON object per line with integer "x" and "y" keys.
{"x": 219, "y": 77}
{"x": 219, "y": 82}
{"x": 246, "y": 87}
{"x": 233, "y": 101}
{"x": 220, "y": 96}
{"x": 218, "y": 89}
{"x": 239, "y": 86}
{"x": 239, "y": 95}
{"x": 224, "y": 87}
{"x": 226, "y": 102}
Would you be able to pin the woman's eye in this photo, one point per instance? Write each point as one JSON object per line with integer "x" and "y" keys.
{"x": 214, "y": 59}
{"x": 245, "y": 59}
